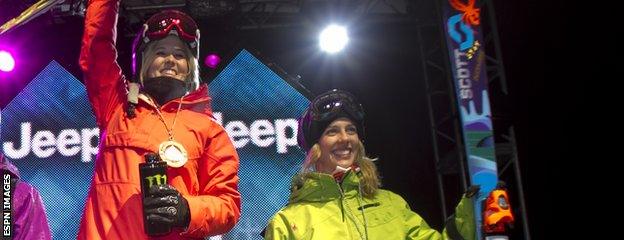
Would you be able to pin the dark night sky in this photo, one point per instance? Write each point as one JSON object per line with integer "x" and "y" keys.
{"x": 379, "y": 68}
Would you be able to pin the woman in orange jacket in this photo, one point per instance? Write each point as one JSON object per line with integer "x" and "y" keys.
{"x": 161, "y": 110}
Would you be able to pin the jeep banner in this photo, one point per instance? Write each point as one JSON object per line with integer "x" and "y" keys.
{"x": 49, "y": 133}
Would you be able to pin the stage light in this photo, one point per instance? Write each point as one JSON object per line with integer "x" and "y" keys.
{"x": 212, "y": 60}
{"x": 7, "y": 63}
{"x": 333, "y": 38}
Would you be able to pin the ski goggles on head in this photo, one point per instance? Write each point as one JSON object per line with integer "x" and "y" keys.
{"x": 328, "y": 106}
{"x": 168, "y": 22}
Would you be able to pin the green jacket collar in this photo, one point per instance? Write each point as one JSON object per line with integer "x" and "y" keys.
{"x": 321, "y": 187}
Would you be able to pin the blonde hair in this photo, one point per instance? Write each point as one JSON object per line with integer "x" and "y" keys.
{"x": 149, "y": 55}
{"x": 369, "y": 176}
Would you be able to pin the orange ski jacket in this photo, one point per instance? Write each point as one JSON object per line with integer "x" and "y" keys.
{"x": 208, "y": 181}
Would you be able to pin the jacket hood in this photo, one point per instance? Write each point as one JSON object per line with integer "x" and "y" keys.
{"x": 6, "y": 165}
{"x": 321, "y": 187}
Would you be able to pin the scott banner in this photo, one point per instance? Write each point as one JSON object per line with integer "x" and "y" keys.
{"x": 467, "y": 57}
{"x": 49, "y": 133}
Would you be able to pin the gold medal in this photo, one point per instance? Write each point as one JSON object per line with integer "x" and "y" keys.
{"x": 173, "y": 153}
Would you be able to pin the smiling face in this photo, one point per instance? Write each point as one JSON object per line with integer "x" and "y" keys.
{"x": 338, "y": 145}
{"x": 170, "y": 59}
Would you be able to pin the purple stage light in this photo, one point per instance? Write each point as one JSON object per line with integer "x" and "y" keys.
{"x": 7, "y": 63}
{"x": 212, "y": 61}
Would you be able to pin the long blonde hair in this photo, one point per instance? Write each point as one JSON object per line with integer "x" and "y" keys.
{"x": 369, "y": 178}
{"x": 149, "y": 55}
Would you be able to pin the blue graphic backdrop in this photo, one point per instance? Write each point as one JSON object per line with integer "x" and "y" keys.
{"x": 250, "y": 98}
{"x": 49, "y": 132}
{"x": 54, "y": 117}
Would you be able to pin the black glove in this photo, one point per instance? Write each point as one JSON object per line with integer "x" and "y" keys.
{"x": 166, "y": 205}
{"x": 472, "y": 190}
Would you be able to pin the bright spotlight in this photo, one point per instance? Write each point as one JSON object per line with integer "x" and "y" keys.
{"x": 7, "y": 63}
{"x": 333, "y": 38}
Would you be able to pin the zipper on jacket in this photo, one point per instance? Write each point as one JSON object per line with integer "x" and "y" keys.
{"x": 341, "y": 199}
{"x": 345, "y": 211}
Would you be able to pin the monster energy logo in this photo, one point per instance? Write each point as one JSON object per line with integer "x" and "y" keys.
{"x": 159, "y": 179}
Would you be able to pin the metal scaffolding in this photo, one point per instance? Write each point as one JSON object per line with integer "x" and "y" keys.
{"x": 448, "y": 145}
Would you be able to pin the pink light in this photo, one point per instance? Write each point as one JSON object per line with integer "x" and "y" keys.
{"x": 7, "y": 63}
{"x": 212, "y": 61}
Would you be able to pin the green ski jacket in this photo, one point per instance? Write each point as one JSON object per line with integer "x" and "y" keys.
{"x": 320, "y": 208}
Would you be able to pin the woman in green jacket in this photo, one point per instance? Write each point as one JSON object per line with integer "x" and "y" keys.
{"x": 337, "y": 196}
